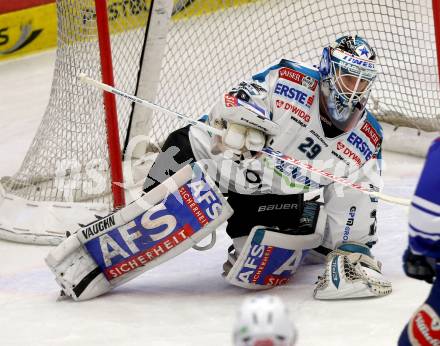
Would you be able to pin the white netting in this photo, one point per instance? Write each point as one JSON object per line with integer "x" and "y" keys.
{"x": 208, "y": 54}
{"x": 208, "y": 51}
{"x": 68, "y": 158}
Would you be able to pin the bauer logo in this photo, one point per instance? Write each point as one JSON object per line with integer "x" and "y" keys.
{"x": 157, "y": 231}
{"x": 280, "y": 206}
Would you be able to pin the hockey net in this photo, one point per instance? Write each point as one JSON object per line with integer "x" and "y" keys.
{"x": 65, "y": 177}
{"x": 210, "y": 45}
{"x": 207, "y": 54}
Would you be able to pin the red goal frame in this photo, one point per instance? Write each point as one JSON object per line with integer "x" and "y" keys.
{"x": 113, "y": 142}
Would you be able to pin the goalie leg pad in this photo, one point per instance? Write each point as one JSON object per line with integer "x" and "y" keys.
{"x": 351, "y": 272}
{"x": 268, "y": 258}
{"x": 160, "y": 225}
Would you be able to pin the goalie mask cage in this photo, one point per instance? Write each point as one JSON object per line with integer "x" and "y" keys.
{"x": 185, "y": 64}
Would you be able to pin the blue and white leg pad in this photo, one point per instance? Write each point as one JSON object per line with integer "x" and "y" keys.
{"x": 268, "y": 258}
{"x": 160, "y": 225}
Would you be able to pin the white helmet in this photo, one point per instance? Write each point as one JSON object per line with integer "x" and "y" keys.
{"x": 263, "y": 321}
{"x": 348, "y": 71}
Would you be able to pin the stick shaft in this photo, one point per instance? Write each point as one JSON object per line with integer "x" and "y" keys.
{"x": 149, "y": 104}
{"x": 340, "y": 180}
{"x": 266, "y": 151}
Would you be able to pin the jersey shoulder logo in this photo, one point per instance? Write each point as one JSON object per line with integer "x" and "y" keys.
{"x": 368, "y": 130}
{"x": 298, "y": 78}
{"x": 296, "y": 85}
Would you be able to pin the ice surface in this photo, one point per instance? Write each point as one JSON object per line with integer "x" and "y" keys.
{"x": 184, "y": 301}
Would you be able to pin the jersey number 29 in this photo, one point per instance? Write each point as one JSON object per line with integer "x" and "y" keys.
{"x": 310, "y": 148}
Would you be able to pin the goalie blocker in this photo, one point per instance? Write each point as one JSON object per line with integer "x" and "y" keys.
{"x": 166, "y": 221}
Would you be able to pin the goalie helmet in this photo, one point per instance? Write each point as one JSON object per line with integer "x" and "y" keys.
{"x": 263, "y": 321}
{"x": 348, "y": 70}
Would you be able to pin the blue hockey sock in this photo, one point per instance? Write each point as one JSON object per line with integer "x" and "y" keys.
{"x": 424, "y": 326}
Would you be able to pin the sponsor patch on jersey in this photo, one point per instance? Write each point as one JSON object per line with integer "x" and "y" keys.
{"x": 298, "y": 78}
{"x": 371, "y": 134}
{"x": 296, "y": 112}
{"x": 347, "y": 152}
{"x": 360, "y": 144}
{"x": 156, "y": 231}
{"x": 279, "y": 206}
{"x": 349, "y": 223}
{"x": 293, "y": 93}
{"x": 424, "y": 327}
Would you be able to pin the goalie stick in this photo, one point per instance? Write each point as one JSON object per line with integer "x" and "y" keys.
{"x": 266, "y": 151}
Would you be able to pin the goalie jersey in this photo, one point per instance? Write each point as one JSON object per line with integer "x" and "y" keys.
{"x": 424, "y": 217}
{"x": 288, "y": 94}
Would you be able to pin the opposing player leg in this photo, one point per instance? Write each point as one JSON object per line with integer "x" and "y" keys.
{"x": 424, "y": 326}
{"x": 169, "y": 219}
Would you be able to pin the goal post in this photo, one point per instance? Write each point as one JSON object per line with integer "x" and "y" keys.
{"x": 182, "y": 55}
{"x": 72, "y": 171}
{"x": 154, "y": 43}
{"x": 111, "y": 119}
